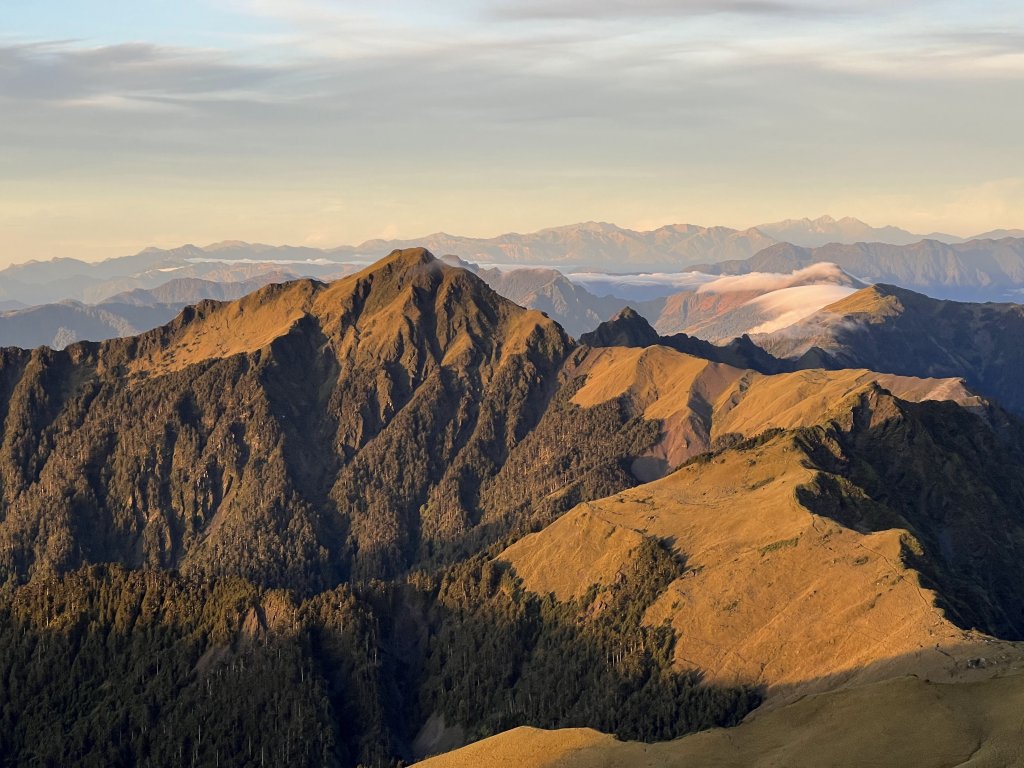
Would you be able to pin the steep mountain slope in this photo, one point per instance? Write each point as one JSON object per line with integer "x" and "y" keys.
{"x": 196, "y": 446}
{"x": 852, "y": 528}
{"x": 825, "y": 553}
{"x": 702, "y": 404}
{"x": 978, "y": 270}
{"x": 898, "y": 331}
{"x": 303, "y": 436}
{"x": 906, "y": 722}
{"x": 573, "y": 307}
{"x": 295, "y": 528}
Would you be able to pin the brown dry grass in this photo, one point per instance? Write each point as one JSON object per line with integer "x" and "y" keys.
{"x": 699, "y": 401}
{"x": 774, "y": 594}
{"x": 904, "y": 722}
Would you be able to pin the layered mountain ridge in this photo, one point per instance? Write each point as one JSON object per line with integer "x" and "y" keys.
{"x": 125, "y": 314}
{"x": 589, "y": 245}
{"x": 976, "y": 270}
{"x": 407, "y": 351}
{"x": 399, "y": 512}
{"x": 895, "y": 330}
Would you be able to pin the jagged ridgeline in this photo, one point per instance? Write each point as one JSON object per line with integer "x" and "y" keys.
{"x": 306, "y": 435}
{"x": 254, "y": 536}
{"x": 359, "y": 523}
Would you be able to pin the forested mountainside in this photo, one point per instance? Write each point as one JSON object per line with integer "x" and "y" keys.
{"x": 278, "y": 530}
{"x": 300, "y": 437}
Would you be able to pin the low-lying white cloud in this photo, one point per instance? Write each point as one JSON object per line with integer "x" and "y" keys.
{"x": 654, "y": 285}
{"x": 643, "y": 286}
{"x": 824, "y": 272}
{"x": 787, "y": 306}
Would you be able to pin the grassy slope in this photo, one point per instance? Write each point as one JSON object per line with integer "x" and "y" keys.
{"x": 906, "y": 722}
{"x": 759, "y": 564}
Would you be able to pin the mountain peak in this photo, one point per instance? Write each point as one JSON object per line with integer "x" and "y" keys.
{"x": 406, "y": 300}
{"x": 627, "y": 329}
{"x": 408, "y": 257}
{"x": 875, "y": 300}
{"x": 223, "y": 245}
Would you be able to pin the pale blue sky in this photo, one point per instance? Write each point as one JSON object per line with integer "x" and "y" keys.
{"x": 127, "y": 124}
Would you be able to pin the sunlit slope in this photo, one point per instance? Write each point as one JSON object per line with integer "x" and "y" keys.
{"x": 701, "y": 403}
{"x": 301, "y": 434}
{"x": 904, "y": 722}
{"x": 774, "y": 594}
{"x": 373, "y": 313}
{"x": 813, "y": 551}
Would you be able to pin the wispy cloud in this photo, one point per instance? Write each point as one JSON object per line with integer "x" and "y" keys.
{"x": 66, "y": 72}
{"x": 618, "y": 9}
{"x": 484, "y": 110}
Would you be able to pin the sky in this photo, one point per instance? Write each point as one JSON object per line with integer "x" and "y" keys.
{"x": 125, "y": 124}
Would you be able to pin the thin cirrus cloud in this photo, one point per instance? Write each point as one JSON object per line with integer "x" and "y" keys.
{"x": 597, "y": 9}
{"x": 60, "y": 71}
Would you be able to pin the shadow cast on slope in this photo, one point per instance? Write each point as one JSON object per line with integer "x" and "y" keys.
{"x": 160, "y": 668}
{"x": 958, "y": 488}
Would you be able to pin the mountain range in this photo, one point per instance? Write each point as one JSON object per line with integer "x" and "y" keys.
{"x": 364, "y": 521}
{"x": 591, "y": 245}
{"x": 812, "y": 233}
{"x": 976, "y": 270}
{"x": 126, "y": 314}
{"x": 894, "y": 330}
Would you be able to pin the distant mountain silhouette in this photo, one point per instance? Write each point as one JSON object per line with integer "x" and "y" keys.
{"x": 976, "y": 270}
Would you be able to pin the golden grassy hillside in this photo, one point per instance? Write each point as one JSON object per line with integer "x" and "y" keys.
{"x": 699, "y": 402}
{"x": 773, "y": 593}
{"x": 372, "y": 313}
{"x": 875, "y": 302}
{"x": 904, "y": 722}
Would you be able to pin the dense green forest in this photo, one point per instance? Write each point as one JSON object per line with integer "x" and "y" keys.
{"x": 113, "y": 667}
{"x": 275, "y": 556}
